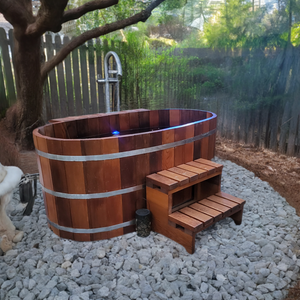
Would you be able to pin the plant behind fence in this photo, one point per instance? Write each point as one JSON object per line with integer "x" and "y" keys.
{"x": 254, "y": 92}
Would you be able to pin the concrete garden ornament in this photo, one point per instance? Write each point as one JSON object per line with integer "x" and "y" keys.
{"x": 9, "y": 179}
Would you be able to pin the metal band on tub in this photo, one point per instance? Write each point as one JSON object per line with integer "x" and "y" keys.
{"x": 92, "y": 230}
{"x": 95, "y": 195}
{"x": 100, "y": 157}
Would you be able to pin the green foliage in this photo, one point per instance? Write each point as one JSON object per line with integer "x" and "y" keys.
{"x": 193, "y": 40}
{"x": 295, "y": 34}
{"x": 124, "y": 9}
{"x": 168, "y": 5}
{"x": 154, "y": 78}
{"x": 236, "y": 25}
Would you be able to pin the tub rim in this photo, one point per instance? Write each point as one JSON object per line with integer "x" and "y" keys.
{"x": 36, "y": 132}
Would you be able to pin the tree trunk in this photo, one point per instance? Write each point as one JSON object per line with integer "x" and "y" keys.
{"x": 27, "y": 112}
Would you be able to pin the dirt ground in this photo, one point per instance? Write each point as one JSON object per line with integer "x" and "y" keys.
{"x": 281, "y": 171}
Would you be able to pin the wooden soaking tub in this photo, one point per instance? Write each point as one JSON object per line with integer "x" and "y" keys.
{"x": 93, "y": 182}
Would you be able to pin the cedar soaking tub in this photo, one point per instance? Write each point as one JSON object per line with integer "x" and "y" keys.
{"x": 93, "y": 181}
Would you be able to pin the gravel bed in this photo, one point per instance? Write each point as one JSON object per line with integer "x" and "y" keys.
{"x": 259, "y": 259}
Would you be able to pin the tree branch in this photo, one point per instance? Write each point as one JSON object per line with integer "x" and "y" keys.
{"x": 73, "y": 14}
{"x": 49, "y": 17}
{"x": 17, "y": 13}
{"x": 84, "y": 37}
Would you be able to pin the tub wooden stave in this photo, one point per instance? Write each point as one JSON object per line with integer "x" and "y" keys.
{"x": 83, "y": 219}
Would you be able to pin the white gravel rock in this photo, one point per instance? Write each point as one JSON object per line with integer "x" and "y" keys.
{"x": 101, "y": 253}
{"x": 256, "y": 260}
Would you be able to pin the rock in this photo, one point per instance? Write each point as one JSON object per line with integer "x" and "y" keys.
{"x": 77, "y": 265}
{"x": 101, "y": 253}
{"x": 31, "y": 284}
{"x": 44, "y": 293}
{"x": 268, "y": 250}
{"x": 11, "y": 273}
{"x": 204, "y": 287}
{"x": 18, "y": 237}
{"x": 23, "y": 293}
{"x": 282, "y": 267}
{"x": 144, "y": 256}
{"x": 30, "y": 296}
{"x": 66, "y": 264}
{"x": 62, "y": 296}
{"x": 103, "y": 292}
{"x": 5, "y": 244}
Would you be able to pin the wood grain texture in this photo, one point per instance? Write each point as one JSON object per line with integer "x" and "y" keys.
{"x": 112, "y": 174}
{"x": 58, "y": 172}
{"x": 60, "y": 130}
{"x": 197, "y": 215}
{"x": 216, "y": 206}
{"x": 230, "y": 197}
{"x": 154, "y": 118}
{"x": 212, "y": 138}
{"x": 191, "y": 175}
{"x": 82, "y": 128}
{"x": 208, "y": 211}
{"x": 164, "y": 118}
{"x": 201, "y": 173}
{"x": 179, "y": 151}
{"x": 181, "y": 179}
{"x": 75, "y": 177}
{"x": 97, "y": 216}
{"x": 168, "y": 161}
{"x": 222, "y": 201}
{"x": 45, "y": 171}
{"x": 207, "y": 168}
{"x": 48, "y": 130}
{"x": 185, "y": 221}
{"x": 158, "y": 204}
{"x": 124, "y": 121}
{"x": 189, "y": 147}
{"x": 162, "y": 182}
{"x": 116, "y": 174}
{"x": 198, "y": 129}
{"x": 144, "y": 119}
{"x": 114, "y": 214}
{"x": 71, "y": 128}
{"x": 174, "y": 117}
{"x": 104, "y": 125}
{"x": 64, "y": 217}
{"x": 204, "y": 141}
{"x": 114, "y": 122}
{"x": 93, "y": 127}
{"x": 218, "y": 167}
{"x": 134, "y": 120}
{"x": 127, "y": 164}
{"x": 51, "y": 211}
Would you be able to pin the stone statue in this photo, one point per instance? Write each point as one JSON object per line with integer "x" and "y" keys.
{"x": 9, "y": 180}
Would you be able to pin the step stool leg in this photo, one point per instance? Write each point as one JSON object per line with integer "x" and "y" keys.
{"x": 237, "y": 217}
{"x": 184, "y": 237}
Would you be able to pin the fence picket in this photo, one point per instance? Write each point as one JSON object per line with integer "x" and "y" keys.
{"x": 52, "y": 78}
{"x": 77, "y": 85}
{"x": 84, "y": 79}
{"x": 4, "y": 103}
{"x": 69, "y": 81}
{"x": 8, "y": 75}
{"x": 61, "y": 81}
{"x": 100, "y": 75}
{"x": 92, "y": 81}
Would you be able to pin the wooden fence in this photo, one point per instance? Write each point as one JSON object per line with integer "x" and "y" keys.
{"x": 269, "y": 118}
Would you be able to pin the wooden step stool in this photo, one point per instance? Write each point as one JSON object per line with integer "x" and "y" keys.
{"x": 186, "y": 199}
